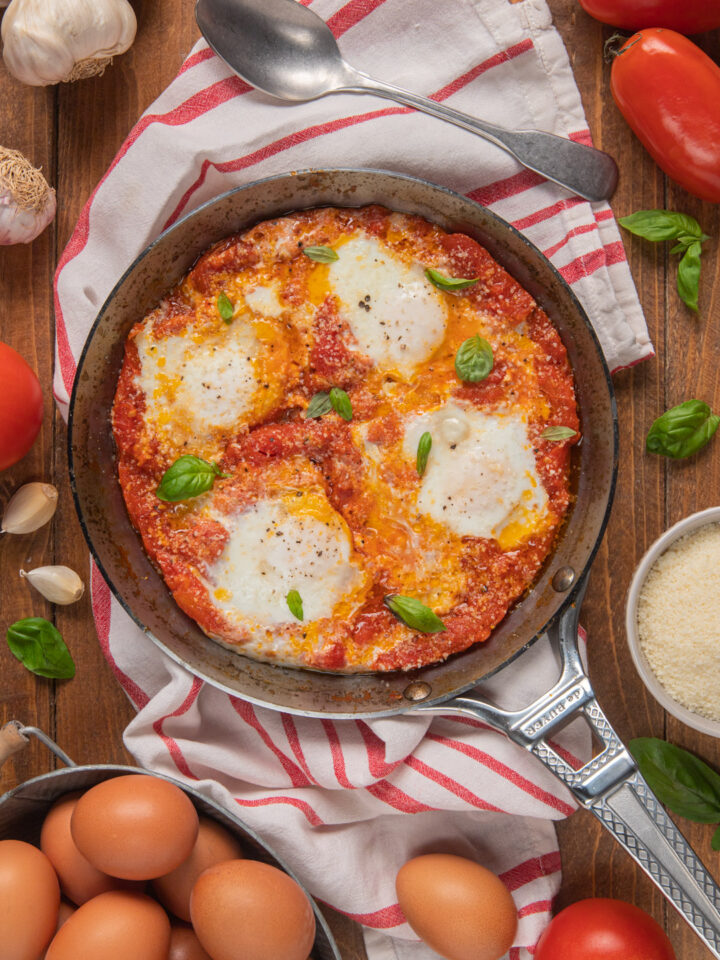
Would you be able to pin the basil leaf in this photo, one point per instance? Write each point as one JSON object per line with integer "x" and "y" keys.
{"x": 38, "y": 645}
{"x": 318, "y": 405}
{"x": 682, "y": 430}
{"x": 413, "y": 613}
{"x": 225, "y": 307}
{"x": 321, "y": 254}
{"x": 423, "y": 452}
{"x": 188, "y": 477}
{"x": 660, "y": 225}
{"x": 679, "y": 779}
{"x": 294, "y": 602}
{"x": 474, "y": 359}
{"x": 715, "y": 842}
{"x": 688, "y": 277}
{"x": 340, "y": 402}
{"x": 448, "y": 283}
{"x": 558, "y": 433}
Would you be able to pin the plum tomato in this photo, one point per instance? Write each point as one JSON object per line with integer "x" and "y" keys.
{"x": 668, "y": 90}
{"x": 689, "y": 16}
{"x": 21, "y": 407}
{"x": 603, "y": 929}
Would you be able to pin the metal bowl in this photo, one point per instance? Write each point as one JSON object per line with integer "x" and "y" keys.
{"x": 23, "y": 809}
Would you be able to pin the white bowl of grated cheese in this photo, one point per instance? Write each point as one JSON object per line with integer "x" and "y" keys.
{"x": 673, "y": 620}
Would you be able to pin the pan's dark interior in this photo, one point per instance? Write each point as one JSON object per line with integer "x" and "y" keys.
{"x": 23, "y": 810}
{"x": 117, "y": 547}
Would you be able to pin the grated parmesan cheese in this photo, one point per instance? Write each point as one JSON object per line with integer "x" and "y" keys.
{"x": 678, "y": 620}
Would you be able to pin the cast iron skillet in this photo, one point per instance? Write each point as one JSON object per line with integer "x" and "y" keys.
{"x": 610, "y": 785}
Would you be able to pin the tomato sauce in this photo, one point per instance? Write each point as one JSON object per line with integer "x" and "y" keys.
{"x": 357, "y": 467}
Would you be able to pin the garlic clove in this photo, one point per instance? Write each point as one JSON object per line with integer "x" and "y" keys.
{"x": 29, "y": 508}
{"x": 27, "y": 202}
{"x": 57, "y": 584}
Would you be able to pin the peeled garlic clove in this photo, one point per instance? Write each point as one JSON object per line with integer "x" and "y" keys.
{"x": 27, "y": 202}
{"x": 50, "y": 41}
{"x": 29, "y": 508}
{"x": 57, "y": 584}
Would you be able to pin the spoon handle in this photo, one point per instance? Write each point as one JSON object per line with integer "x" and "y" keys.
{"x": 588, "y": 172}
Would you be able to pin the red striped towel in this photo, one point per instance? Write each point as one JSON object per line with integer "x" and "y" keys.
{"x": 346, "y": 803}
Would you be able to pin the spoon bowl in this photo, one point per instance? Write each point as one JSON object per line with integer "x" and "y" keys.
{"x": 292, "y": 57}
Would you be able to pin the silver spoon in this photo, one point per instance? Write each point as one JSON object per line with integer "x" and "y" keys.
{"x": 286, "y": 50}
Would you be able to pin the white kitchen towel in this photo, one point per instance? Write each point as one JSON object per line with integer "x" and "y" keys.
{"x": 347, "y": 802}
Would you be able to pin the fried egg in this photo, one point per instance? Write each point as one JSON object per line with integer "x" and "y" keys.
{"x": 395, "y": 314}
{"x": 205, "y": 382}
{"x": 481, "y": 479}
{"x": 295, "y": 541}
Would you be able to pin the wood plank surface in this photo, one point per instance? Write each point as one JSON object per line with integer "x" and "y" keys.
{"x": 73, "y": 132}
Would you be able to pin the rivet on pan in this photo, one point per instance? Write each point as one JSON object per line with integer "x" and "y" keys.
{"x": 418, "y": 690}
{"x": 563, "y": 579}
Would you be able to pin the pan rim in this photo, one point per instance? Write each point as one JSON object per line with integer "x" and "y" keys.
{"x": 404, "y": 706}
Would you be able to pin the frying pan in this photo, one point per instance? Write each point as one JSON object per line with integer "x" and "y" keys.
{"x": 610, "y": 785}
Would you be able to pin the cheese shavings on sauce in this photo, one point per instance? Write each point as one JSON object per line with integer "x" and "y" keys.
{"x": 331, "y": 512}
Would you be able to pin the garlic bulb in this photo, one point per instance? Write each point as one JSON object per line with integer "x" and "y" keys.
{"x": 49, "y": 41}
{"x": 27, "y": 202}
{"x": 29, "y": 508}
{"x": 57, "y": 584}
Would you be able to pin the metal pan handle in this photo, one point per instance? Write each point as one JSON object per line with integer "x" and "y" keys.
{"x": 610, "y": 785}
{"x": 14, "y": 736}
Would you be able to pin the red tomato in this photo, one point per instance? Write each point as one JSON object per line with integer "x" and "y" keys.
{"x": 685, "y": 16}
{"x": 21, "y": 407}
{"x": 668, "y": 90}
{"x": 603, "y": 929}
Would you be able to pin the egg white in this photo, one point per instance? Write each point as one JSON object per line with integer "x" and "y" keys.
{"x": 481, "y": 479}
{"x": 280, "y": 544}
{"x": 396, "y": 315}
{"x": 198, "y": 383}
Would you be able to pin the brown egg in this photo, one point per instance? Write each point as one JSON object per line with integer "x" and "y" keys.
{"x": 460, "y": 909}
{"x": 184, "y": 944}
{"x": 117, "y": 925}
{"x": 136, "y": 827}
{"x": 213, "y": 845}
{"x": 66, "y": 910}
{"x": 79, "y": 879}
{"x": 245, "y": 910}
{"x": 29, "y": 900}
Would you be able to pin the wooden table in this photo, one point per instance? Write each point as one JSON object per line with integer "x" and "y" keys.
{"x": 73, "y": 132}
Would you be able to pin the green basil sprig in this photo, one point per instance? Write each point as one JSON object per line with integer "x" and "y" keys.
{"x": 423, "y": 452}
{"x": 474, "y": 359}
{"x": 295, "y": 604}
{"x": 660, "y": 225}
{"x": 321, "y": 254}
{"x": 322, "y": 403}
{"x": 225, "y": 307}
{"x": 413, "y": 613}
{"x": 556, "y": 434}
{"x": 680, "y": 780}
{"x": 319, "y": 405}
{"x": 39, "y": 646}
{"x": 451, "y": 284}
{"x": 682, "y": 430}
{"x": 340, "y": 403}
{"x": 188, "y": 477}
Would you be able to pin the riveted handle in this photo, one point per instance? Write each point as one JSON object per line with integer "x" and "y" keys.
{"x": 609, "y": 785}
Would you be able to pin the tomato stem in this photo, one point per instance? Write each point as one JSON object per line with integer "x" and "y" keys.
{"x": 615, "y": 45}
